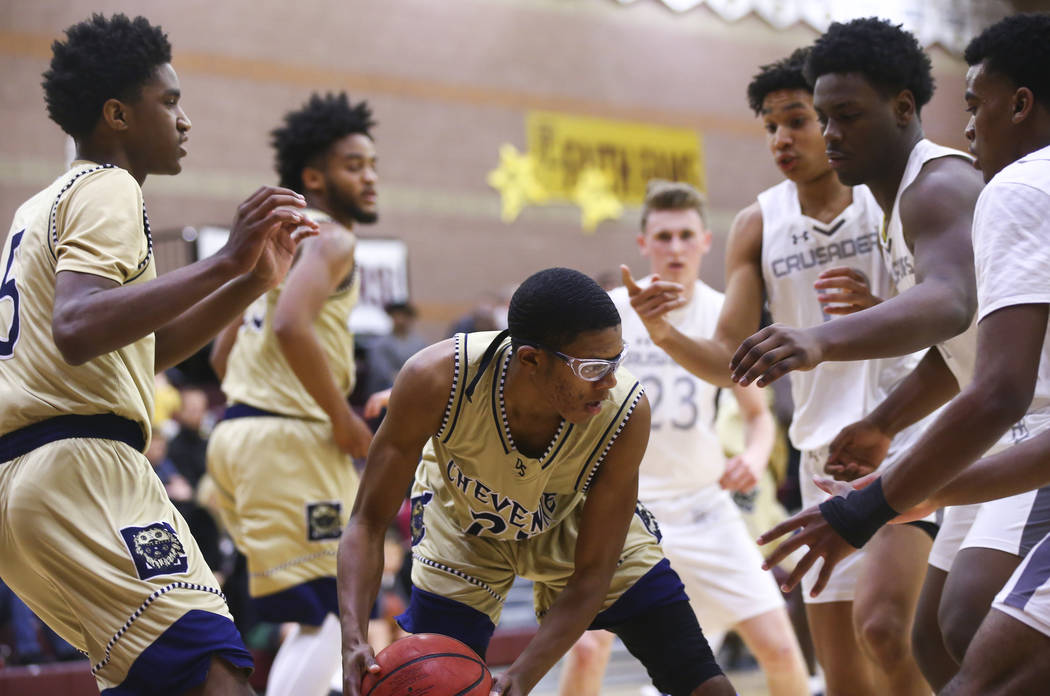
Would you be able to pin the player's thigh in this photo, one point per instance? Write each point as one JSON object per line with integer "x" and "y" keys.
{"x": 976, "y": 577}
{"x": 891, "y": 578}
{"x": 97, "y": 550}
{"x": 1006, "y": 658}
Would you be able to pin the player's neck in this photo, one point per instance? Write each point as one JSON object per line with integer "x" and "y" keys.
{"x": 317, "y": 203}
{"x": 825, "y": 197}
{"x": 884, "y": 186}
{"x": 107, "y": 153}
{"x": 531, "y": 421}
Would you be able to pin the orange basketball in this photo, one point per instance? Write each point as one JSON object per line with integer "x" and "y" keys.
{"x": 428, "y": 664}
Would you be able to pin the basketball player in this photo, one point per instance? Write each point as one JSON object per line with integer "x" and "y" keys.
{"x": 282, "y": 457}
{"x": 88, "y": 537}
{"x": 867, "y": 130}
{"x": 809, "y": 245}
{"x": 684, "y": 478}
{"x": 525, "y": 446}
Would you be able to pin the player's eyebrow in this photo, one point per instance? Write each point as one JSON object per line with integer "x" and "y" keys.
{"x": 789, "y": 107}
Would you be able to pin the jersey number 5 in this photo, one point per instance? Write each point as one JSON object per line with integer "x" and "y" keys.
{"x": 8, "y": 289}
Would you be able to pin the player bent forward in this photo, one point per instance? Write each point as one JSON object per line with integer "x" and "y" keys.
{"x": 527, "y": 465}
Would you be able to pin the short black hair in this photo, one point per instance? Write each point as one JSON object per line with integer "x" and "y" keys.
{"x": 101, "y": 59}
{"x": 1018, "y": 48}
{"x": 310, "y": 131}
{"x": 785, "y": 73}
{"x": 889, "y": 57}
{"x": 554, "y": 306}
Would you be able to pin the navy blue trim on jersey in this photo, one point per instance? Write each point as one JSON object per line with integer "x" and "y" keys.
{"x": 431, "y": 613}
{"x": 554, "y": 454}
{"x": 462, "y": 391}
{"x": 180, "y": 658}
{"x": 307, "y": 603}
{"x": 1037, "y": 526}
{"x": 497, "y": 377}
{"x": 1034, "y": 575}
{"x": 615, "y": 422}
{"x": 659, "y": 587}
{"x": 102, "y": 426}
{"x": 246, "y": 411}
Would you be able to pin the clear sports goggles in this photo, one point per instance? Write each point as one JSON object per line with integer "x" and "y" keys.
{"x": 589, "y": 369}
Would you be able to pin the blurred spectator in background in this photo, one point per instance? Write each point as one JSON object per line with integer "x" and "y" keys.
{"x": 187, "y": 447}
{"x": 386, "y": 354}
{"x": 26, "y": 630}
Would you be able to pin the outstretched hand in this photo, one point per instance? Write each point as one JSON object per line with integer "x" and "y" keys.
{"x": 774, "y": 351}
{"x": 823, "y": 543}
{"x": 653, "y": 302}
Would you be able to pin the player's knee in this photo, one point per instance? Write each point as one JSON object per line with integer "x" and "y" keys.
{"x": 591, "y": 651}
{"x": 776, "y": 651}
{"x": 885, "y": 640}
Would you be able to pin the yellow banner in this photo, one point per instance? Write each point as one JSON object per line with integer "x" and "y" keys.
{"x": 629, "y": 154}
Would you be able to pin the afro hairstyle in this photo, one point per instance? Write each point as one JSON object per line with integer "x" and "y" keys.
{"x": 101, "y": 59}
{"x": 889, "y": 57}
{"x": 310, "y": 131}
{"x": 1018, "y": 48}
{"x": 785, "y": 73}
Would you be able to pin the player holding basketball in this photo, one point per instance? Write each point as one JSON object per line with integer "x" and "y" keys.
{"x": 88, "y": 537}
{"x": 874, "y": 136}
{"x": 282, "y": 457}
{"x": 684, "y": 478}
{"x": 525, "y": 447}
{"x": 809, "y": 244}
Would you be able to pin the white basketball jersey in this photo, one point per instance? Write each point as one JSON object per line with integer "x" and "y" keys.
{"x": 959, "y": 352}
{"x": 1011, "y": 246}
{"x": 796, "y": 249}
{"x": 684, "y": 453}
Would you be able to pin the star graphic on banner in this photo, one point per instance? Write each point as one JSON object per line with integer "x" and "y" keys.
{"x": 516, "y": 181}
{"x": 596, "y": 199}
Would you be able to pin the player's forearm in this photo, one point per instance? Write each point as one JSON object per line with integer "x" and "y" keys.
{"x": 705, "y": 358}
{"x": 1023, "y": 467}
{"x": 90, "y": 321}
{"x": 359, "y": 574}
{"x": 924, "y": 315}
{"x": 930, "y": 385}
{"x": 191, "y": 330}
{"x": 223, "y": 346}
{"x": 306, "y": 357}
{"x": 569, "y": 616}
{"x": 963, "y": 431}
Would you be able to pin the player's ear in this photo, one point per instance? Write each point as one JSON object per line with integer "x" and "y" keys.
{"x": 529, "y": 357}
{"x": 115, "y": 114}
{"x": 1023, "y": 102}
{"x": 904, "y": 107}
{"x": 313, "y": 179}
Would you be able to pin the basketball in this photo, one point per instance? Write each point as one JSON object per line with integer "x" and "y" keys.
{"x": 428, "y": 664}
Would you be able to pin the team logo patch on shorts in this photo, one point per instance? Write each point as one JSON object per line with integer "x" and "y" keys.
{"x": 155, "y": 549}
{"x": 418, "y": 529}
{"x": 324, "y": 520}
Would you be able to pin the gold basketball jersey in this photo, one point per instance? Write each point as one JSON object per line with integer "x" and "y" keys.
{"x": 90, "y": 220}
{"x": 483, "y": 486}
{"x": 259, "y": 375}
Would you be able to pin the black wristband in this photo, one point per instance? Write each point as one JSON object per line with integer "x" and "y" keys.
{"x": 859, "y": 515}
